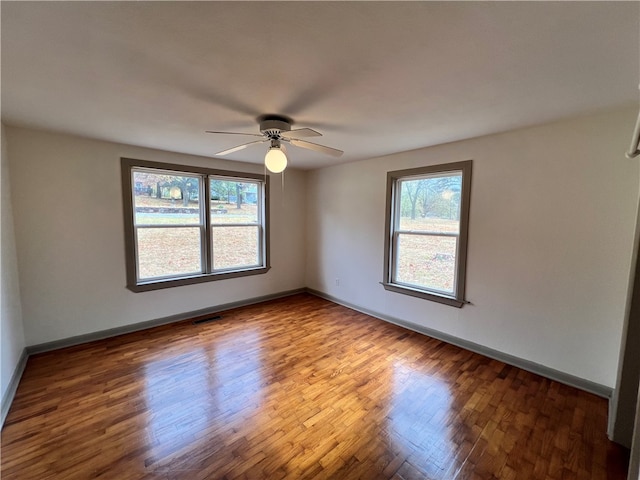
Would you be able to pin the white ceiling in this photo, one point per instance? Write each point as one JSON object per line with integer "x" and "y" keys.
{"x": 373, "y": 77}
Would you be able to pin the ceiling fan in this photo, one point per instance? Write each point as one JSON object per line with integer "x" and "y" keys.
{"x": 276, "y": 129}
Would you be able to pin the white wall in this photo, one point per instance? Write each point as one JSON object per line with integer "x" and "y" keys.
{"x": 12, "y": 341}
{"x": 67, "y": 201}
{"x": 551, "y": 232}
{"x": 550, "y": 241}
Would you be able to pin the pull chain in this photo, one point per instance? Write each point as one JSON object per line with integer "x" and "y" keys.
{"x": 282, "y": 194}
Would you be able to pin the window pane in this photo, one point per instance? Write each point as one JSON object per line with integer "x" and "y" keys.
{"x": 165, "y": 199}
{"x": 168, "y": 251}
{"x": 431, "y": 204}
{"x": 233, "y": 202}
{"x": 427, "y": 261}
{"x": 235, "y": 247}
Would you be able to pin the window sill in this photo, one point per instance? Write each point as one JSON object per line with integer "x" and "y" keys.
{"x": 451, "y": 301}
{"x": 207, "y": 277}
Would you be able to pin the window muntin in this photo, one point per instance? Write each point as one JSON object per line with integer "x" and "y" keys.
{"x": 427, "y": 216}
{"x": 189, "y": 225}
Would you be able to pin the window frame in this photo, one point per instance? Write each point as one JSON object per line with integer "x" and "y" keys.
{"x": 392, "y": 232}
{"x": 207, "y": 274}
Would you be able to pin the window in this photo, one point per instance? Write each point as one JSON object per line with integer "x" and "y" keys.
{"x": 426, "y": 232}
{"x": 187, "y": 225}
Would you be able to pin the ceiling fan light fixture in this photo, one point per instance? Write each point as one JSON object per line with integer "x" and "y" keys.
{"x": 275, "y": 160}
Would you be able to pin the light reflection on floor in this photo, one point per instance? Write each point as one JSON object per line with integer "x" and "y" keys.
{"x": 423, "y": 428}
{"x": 181, "y": 418}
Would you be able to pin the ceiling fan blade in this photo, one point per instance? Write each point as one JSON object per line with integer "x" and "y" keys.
{"x": 318, "y": 148}
{"x": 237, "y": 133}
{"x": 300, "y": 133}
{"x": 239, "y": 147}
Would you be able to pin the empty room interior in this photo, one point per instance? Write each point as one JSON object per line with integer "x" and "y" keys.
{"x": 320, "y": 240}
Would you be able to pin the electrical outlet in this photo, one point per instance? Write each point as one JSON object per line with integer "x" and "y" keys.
{"x": 337, "y": 282}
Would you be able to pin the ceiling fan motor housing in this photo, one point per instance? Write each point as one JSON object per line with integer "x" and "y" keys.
{"x": 272, "y": 127}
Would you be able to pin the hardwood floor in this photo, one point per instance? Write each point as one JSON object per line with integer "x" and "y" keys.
{"x": 297, "y": 388}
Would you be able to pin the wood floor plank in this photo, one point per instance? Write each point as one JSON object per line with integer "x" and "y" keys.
{"x": 297, "y": 388}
